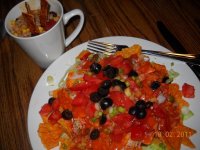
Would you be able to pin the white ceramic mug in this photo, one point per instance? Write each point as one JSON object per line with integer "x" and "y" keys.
{"x": 48, "y": 46}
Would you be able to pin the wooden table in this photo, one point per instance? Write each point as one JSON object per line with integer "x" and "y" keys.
{"x": 19, "y": 74}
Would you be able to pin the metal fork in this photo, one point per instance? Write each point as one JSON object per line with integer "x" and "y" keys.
{"x": 108, "y": 49}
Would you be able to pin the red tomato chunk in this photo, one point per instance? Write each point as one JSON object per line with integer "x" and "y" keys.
{"x": 188, "y": 90}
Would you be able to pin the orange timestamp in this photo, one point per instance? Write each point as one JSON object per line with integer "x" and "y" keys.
{"x": 178, "y": 134}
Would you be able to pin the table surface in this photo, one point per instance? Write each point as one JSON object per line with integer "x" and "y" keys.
{"x": 19, "y": 74}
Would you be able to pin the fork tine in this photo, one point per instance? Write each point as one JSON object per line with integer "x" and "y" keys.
{"x": 102, "y": 46}
{"x": 98, "y": 50}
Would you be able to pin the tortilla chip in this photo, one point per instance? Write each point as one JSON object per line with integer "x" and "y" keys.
{"x": 177, "y": 94}
{"x": 127, "y": 52}
{"x": 179, "y": 135}
{"x": 49, "y": 134}
{"x": 187, "y": 142}
{"x": 44, "y": 12}
{"x": 31, "y": 23}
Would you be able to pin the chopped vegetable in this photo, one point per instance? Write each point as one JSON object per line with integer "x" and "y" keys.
{"x": 173, "y": 74}
{"x": 121, "y": 101}
{"x": 50, "y": 80}
{"x": 188, "y": 90}
{"x": 186, "y": 113}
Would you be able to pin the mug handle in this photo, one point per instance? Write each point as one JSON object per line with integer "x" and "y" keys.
{"x": 67, "y": 17}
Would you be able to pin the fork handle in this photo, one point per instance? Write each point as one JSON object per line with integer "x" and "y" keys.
{"x": 190, "y": 58}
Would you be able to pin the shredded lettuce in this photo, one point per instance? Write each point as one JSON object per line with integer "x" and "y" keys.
{"x": 173, "y": 74}
{"x": 186, "y": 113}
{"x": 154, "y": 146}
{"x": 121, "y": 109}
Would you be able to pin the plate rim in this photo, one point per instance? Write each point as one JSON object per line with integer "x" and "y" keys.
{"x": 70, "y": 51}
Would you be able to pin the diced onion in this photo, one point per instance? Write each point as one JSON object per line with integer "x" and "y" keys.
{"x": 77, "y": 76}
{"x": 50, "y": 80}
{"x": 127, "y": 92}
{"x": 97, "y": 106}
{"x": 185, "y": 110}
{"x": 161, "y": 98}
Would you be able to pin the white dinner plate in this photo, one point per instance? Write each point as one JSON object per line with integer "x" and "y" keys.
{"x": 58, "y": 68}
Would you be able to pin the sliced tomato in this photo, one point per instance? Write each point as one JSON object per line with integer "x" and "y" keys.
{"x": 128, "y": 103}
{"x": 90, "y": 89}
{"x": 80, "y": 86}
{"x": 167, "y": 115}
{"x": 126, "y": 66}
{"x": 145, "y": 68}
{"x": 138, "y": 132}
{"x": 120, "y": 99}
{"x": 116, "y": 61}
{"x": 188, "y": 90}
{"x": 45, "y": 110}
{"x": 104, "y": 62}
{"x": 162, "y": 116}
{"x": 142, "y": 129}
{"x": 122, "y": 119}
{"x": 79, "y": 112}
{"x": 117, "y": 137}
{"x": 133, "y": 84}
{"x": 92, "y": 79}
{"x": 147, "y": 91}
{"x": 80, "y": 99}
{"x": 54, "y": 117}
{"x": 101, "y": 76}
{"x": 123, "y": 124}
{"x": 150, "y": 121}
{"x": 90, "y": 109}
{"x": 56, "y": 104}
{"x": 117, "y": 97}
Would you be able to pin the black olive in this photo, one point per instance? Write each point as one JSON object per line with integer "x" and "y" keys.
{"x": 103, "y": 91}
{"x": 140, "y": 104}
{"x": 119, "y": 83}
{"x": 95, "y": 97}
{"x": 149, "y": 104}
{"x": 132, "y": 110}
{"x": 94, "y": 134}
{"x": 155, "y": 85}
{"x": 67, "y": 114}
{"x": 106, "y": 84}
{"x": 51, "y": 100}
{"x": 110, "y": 72}
{"x": 115, "y": 82}
{"x": 122, "y": 85}
{"x": 105, "y": 103}
{"x": 95, "y": 68}
{"x": 103, "y": 119}
{"x": 132, "y": 73}
{"x": 140, "y": 113}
